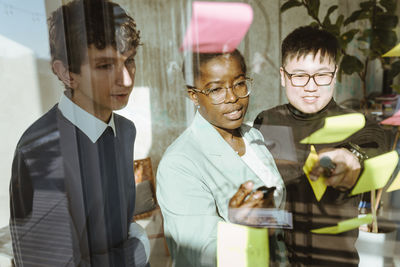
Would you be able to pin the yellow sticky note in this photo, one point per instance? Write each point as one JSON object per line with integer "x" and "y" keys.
{"x": 318, "y": 186}
{"x": 394, "y": 52}
{"x": 395, "y": 184}
{"x": 336, "y": 129}
{"x": 344, "y": 226}
{"x": 240, "y": 245}
{"x": 376, "y": 173}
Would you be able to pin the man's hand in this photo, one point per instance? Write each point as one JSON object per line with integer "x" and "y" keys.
{"x": 346, "y": 172}
{"x": 243, "y": 201}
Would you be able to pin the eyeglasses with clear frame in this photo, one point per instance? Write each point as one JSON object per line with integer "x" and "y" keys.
{"x": 240, "y": 89}
{"x": 320, "y": 79}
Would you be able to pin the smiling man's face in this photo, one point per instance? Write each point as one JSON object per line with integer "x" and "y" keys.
{"x": 310, "y": 98}
{"x": 105, "y": 81}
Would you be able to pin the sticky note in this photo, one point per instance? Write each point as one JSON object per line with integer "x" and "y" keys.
{"x": 376, "y": 173}
{"x": 393, "y": 120}
{"x": 336, "y": 129}
{"x": 344, "y": 226}
{"x": 217, "y": 27}
{"x": 318, "y": 186}
{"x": 239, "y": 245}
{"x": 394, "y": 52}
{"x": 395, "y": 184}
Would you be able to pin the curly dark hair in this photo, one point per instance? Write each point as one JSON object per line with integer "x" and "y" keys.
{"x": 75, "y": 26}
{"x": 198, "y": 59}
{"x": 309, "y": 40}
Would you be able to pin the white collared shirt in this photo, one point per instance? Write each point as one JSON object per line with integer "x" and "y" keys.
{"x": 91, "y": 126}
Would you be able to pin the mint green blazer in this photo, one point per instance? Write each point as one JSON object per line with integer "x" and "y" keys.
{"x": 196, "y": 178}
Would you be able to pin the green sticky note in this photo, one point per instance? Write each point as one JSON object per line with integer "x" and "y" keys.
{"x": 395, "y": 184}
{"x": 239, "y": 245}
{"x": 318, "y": 186}
{"x": 394, "y": 52}
{"x": 344, "y": 226}
{"x": 376, "y": 173}
{"x": 336, "y": 129}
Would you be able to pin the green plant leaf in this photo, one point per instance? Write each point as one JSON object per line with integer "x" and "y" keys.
{"x": 394, "y": 70}
{"x": 327, "y": 20}
{"x": 331, "y": 9}
{"x": 339, "y": 21}
{"x": 386, "y": 21}
{"x": 367, "y": 5}
{"x": 351, "y": 64}
{"x": 335, "y": 30}
{"x": 386, "y": 39}
{"x": 357, "y": 15}
{"x": 389, "y": 5}
{"x": 314, "y": 24}
{"x": 313, "y": 8}
{"x": 347, "y": 37}
{"x": 289, "y": 4}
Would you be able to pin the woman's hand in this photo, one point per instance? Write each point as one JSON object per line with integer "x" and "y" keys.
{"x": 242, "y": 203}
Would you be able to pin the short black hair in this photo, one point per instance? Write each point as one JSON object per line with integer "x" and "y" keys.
{"x": 75, "y": 26}
{"x": 309, "y": 40}
{"x": 198, "y": 59}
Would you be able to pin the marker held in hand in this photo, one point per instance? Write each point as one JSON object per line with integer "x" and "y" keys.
{"x": 328, "y": 166}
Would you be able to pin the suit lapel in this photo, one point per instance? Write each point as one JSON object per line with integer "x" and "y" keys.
{"x": 226, "y": 171}
{"x": 219, "y": 151}
{"x": 73, "y": 184}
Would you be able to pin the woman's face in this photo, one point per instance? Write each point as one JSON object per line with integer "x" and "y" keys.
{"x": 221, "y": 71}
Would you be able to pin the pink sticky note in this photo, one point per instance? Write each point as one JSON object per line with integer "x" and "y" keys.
{"x": 393, "y": 120}
{"x": 217, "y": 27}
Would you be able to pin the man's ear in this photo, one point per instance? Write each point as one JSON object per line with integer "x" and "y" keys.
{"x": 64, "y": 74}
{"x": 193, "y": 96}
{"x": 283, "y": 82}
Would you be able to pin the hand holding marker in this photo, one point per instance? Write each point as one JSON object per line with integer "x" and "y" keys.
{"x": 328, "y": 166}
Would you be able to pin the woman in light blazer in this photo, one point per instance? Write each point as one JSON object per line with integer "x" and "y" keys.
{"x": 215, "y": 163}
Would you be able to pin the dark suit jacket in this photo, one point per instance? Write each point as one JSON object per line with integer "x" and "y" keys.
{"x": 48, "y": 220}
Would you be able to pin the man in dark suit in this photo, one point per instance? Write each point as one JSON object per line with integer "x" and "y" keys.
{"x": 72, "y": 191}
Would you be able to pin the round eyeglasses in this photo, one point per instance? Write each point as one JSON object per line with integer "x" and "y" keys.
{"x": 320, "y": 79}
{"x": 240, "y": 89}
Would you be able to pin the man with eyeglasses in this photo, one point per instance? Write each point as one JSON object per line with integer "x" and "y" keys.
{"x": 308, "y": 74}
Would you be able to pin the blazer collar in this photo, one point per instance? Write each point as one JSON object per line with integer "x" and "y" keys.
{"x": 212, "y": 142}
{"x": 208, "y": 137}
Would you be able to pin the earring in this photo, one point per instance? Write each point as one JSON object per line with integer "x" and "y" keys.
{"x": 198, "y": 106}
